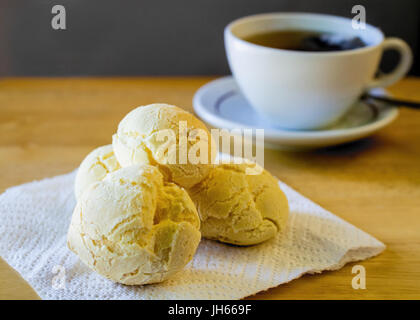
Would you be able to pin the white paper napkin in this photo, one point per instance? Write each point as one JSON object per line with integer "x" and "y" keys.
{"x": 34, "y": 218}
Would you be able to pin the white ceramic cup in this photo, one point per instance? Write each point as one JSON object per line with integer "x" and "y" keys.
{"x": 308, "y": 90}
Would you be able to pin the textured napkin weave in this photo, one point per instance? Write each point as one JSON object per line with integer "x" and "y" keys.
{"x": 34, "y": 218}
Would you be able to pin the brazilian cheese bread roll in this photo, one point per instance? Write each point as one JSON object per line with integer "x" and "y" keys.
{"x": 240, "y": 208}
{"x": 134, "y": 228}
{"x": 95, "y": 167}
{"x": 167, "y": 137}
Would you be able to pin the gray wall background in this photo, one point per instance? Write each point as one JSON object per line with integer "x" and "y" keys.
{"x": 158, "y": 37}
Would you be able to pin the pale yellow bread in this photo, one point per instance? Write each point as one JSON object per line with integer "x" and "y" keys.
{"x": 95, "y": 167}
{"x": 238, "y": 208}
{"x": 134, "y": 228}
{"x": 140, "y": 139}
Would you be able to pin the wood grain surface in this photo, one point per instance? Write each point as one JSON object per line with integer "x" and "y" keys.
{"x": 48, "y": 125}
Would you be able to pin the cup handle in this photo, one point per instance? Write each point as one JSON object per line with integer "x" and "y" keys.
{"x": 406, "y": 59}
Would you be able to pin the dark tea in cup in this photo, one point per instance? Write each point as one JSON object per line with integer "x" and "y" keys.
{"x": 303, "y": 40}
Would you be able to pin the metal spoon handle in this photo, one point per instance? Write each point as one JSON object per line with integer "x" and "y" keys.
{"x": 394, "y": 102}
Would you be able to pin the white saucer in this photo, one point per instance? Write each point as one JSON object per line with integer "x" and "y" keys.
{"x": 221, "y": 104}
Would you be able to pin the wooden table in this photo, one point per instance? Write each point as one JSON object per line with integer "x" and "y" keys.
{"x": 48, "y": 125}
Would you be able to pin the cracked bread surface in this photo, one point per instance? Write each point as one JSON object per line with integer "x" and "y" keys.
{"x": 134, "y": 228}
{"x": 140, "y": 138}
{"x": 239, "y": 208}
{"x": 94, "y": 167}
